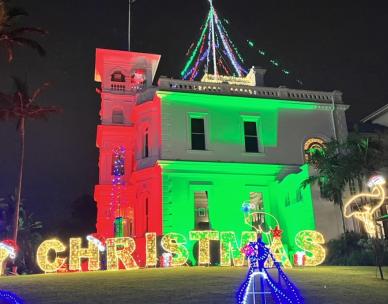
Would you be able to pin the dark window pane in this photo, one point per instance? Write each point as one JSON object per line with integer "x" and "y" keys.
{"x": 198, "y": 141}
{"x": 146, "y": 150}
{"x": 251, "y": 144}
{"x": 250, "y": 128}
{"x": 197, "y": 125}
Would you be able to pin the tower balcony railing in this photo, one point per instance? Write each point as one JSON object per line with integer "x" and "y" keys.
{"x": 167, "y": 84}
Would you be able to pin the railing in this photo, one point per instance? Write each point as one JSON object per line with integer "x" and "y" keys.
{"x": 167, "y": 84}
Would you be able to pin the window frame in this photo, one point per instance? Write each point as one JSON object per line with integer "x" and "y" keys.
{"x": 256, "y": 119}
{"x": 197, "y": 115}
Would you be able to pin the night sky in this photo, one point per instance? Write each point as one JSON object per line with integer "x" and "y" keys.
{"x": 328, "y": 44}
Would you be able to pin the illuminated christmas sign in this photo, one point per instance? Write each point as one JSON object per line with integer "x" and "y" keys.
{"x": 119, "y": 253}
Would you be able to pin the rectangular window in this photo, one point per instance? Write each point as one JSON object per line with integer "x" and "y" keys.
{"x": 146, "y": 147}
{"x": 198, "y": 134}
{"x": 201, "y": 210}
{"x": 250, "y": 135}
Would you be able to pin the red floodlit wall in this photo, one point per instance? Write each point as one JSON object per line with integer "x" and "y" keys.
{"x": 139, "y": 132}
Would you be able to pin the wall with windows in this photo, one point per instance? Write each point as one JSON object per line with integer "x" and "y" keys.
{"x": 205, "y": 127}
{"x": 221, "y": 189}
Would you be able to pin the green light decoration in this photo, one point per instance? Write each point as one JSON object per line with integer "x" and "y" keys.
{"x": 214, "y": 49}
{"x": 194, "y": 53}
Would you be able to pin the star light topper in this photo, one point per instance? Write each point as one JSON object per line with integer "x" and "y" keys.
{"x": 277, "y": 232}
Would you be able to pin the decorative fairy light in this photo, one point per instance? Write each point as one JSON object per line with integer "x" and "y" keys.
{"x": 230, "y": 252}
{"x": 213, "y": 34}
{"x": 204, "y": 238}
{"x": 11, "y": 250}
{"x": 311, "y": 241}
{"x": 117, "y": 180}
{"x": 259, "y": 282}
{"x": 300, "y": 258}
{"x": 120, "y": 249}
{"x": 8, "y": 297}
{"x": 4, "y": 254}
{"x": 277, "y": 249}
{"x": 96, "y": 241}
{"x": 174, "y": 243}
{"x": 77, "y": 254}
{"x": 367, "y": 214}
{"x": 46, "y": 264}
{"x": 151, "y": 254}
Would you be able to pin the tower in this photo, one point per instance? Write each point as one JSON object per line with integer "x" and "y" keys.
{"x": 128, "y": 141}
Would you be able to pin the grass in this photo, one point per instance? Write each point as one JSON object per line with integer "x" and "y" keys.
{"x": 193, "y": 286}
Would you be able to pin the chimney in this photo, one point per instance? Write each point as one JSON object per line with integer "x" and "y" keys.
{"x": 259, "y": 75}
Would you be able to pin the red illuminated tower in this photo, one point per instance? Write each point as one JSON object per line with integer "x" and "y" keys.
{"x": 130, "y": 120}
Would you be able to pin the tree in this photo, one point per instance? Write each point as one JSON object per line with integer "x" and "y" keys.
{"x": 331, "y": 173}
{"x": 339, "y": 163}
{"x": 29, "y": 236}
{"x": 21, "y": 106}
{"x": 12, "y": 35}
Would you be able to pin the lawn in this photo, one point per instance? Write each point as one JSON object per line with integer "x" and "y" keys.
{"x": 193, "y": 285}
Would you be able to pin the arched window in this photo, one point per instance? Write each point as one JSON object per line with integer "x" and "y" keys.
{"x": 117, "y": 76}
{"x": 117, "y": 117}
{"x": 311, "y": 144}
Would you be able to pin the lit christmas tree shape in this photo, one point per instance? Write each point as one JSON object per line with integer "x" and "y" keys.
{"x": 278, "y": 250}
{"x": 259, "y": 286}
{"x": 214, "y": 50}
{"x": 367, "y": 213}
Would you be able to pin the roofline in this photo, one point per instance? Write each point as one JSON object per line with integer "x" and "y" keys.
{"x": 375, "y": 114}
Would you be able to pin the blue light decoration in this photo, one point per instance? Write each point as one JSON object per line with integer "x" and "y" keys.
{"x": 9, "y": 298}
{"x": 259, "y": 286}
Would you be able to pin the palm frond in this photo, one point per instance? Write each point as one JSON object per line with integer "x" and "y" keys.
{"x": 39, "y": 91}
{"x": 31, "y": 44}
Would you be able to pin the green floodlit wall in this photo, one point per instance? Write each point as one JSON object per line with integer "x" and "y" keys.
{"x": 228, "y": 186}
{"x": 226, "y": 107}
{"x": 294, "y": 206}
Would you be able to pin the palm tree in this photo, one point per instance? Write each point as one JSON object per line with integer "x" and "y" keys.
{"x": 22, "y": 106}
{"x": 12, "y": 35}
{"x": 331, "y": 173}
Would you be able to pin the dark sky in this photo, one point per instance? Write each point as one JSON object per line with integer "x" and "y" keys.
{"x": 328, "y": 44}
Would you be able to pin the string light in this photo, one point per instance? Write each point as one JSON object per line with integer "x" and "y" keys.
{"x": 174, "y": 243}
{"x": 151, "y": 254}
{"x": 46, "y": 264}
{"x": 213, "y": 34}
{"x": 230, "y": 252}
{"x": 96, "y": 242}
{"x": 10, "y": 249}
{"x": 77, "y": 253}
{"x": 367, "y": 215}
{"x": 10, "y": 298}
{"x": 120, "y": 249}
{"x": 117, "y": 182}
{"x": 278, "y": 250}
{"x": 281, "y": 289}
{"x": 4, "y": 254}
{"x": 311, "y": 241}
{"x": 204, "y": 238}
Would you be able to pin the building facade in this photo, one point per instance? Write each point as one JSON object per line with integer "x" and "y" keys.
{"x": 195, "y": 151}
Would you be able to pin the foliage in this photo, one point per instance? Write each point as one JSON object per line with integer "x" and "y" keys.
{"x": 29, "y": 234}
{"x": 12, "y": 35}
{"x": 353, "y": 249}
{"x": 340, "y": 162}
{"x": 22, "y": 105}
